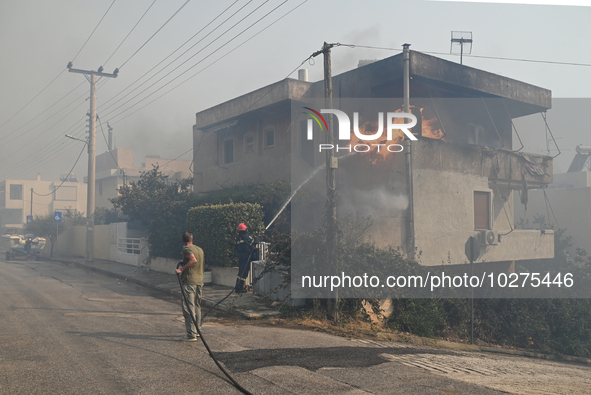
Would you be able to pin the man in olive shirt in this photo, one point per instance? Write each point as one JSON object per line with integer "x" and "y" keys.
{"x": 192, "y": 282}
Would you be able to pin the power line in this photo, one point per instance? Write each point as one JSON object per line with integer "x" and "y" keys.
{"x": 151, "y": 37}
{"x": 110, "y": 152}
{"x": 191, "y": 57}
{"x": 96, "y": 27}
{"x": 220, "y": 58}
{"x": 475, "y": 56}
{"x": 196, "y": 64}
{"x": 132, "y": 29}
{"x": 29, "y": 102}
{"x": 46, "y": 119}
{"x": 74, "y": 109}
{"x": 72, "y": 169}
{"x": 60, "y": 73}
{"x": 173, "y": 52}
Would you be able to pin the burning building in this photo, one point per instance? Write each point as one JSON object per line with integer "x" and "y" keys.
{"x": 426, "y": 196}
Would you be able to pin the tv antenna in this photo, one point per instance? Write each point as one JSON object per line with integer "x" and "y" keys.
{"x": 460, "y": 39}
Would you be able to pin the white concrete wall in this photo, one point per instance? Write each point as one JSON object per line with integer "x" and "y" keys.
{"x": 73, "y": 242}
{"x": 444, "y": 220}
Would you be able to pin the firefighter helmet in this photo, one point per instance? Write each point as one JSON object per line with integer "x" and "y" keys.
{"x": 241, "y": 227}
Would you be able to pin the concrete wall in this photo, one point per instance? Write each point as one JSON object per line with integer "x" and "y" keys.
{"x": 445, "y": 178}
{"x": 73, "y": 242}
{"x": 264, "y": 164}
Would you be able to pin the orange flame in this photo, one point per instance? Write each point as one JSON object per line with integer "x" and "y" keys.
{"x": 378, "y": 152}
{"x": 429, "y": 127}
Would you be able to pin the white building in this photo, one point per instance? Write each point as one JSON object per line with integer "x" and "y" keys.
{"x": 116, "y": 168}
{"x": 20, "y": 198}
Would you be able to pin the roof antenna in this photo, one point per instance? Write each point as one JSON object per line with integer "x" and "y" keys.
{"x": 461, "y": 39}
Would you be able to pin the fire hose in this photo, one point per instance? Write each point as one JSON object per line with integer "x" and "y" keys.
{"x": 234, "y": 382}
{"x": 241, "y": 275}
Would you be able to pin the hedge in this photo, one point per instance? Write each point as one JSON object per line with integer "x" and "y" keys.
{"x": 214, "y": 229}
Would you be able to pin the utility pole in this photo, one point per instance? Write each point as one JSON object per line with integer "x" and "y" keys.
{"x": 331, "y": 167}
{"x": 408, "y": 150}
{"x": 91, "y": 77}
{"x": 31, "y": 202}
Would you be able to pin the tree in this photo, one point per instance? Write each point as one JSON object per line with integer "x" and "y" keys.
{"x": 161, "y": 205}
{"x": 45, "y": 226}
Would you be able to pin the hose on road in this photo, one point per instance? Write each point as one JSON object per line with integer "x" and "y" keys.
{"x": 236, "y": 384}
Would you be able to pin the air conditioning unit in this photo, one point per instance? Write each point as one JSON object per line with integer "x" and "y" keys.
{"x": 488, "y": 237}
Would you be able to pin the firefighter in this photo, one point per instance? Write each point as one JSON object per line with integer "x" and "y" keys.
{"x": 244, "y": 247}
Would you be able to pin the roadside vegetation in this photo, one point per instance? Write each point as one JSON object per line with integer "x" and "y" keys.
{"x": 539, "y": 325}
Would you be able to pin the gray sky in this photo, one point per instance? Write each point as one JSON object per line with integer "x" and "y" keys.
{"x": 38, "y": 38}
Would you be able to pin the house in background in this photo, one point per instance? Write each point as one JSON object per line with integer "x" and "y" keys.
{"x": 456, "y": 181}
{"x": 117, "y": 167}
{"x": 20, "y": 198}
{"x": 564, "y": 204}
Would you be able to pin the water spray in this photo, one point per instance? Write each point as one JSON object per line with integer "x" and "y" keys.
{"x": 301, "y": 185}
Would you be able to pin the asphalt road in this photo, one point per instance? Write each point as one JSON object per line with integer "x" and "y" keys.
{"x": 65, "y": 330}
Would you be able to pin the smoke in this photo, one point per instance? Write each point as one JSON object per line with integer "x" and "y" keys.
{"x": 377, "y": 202}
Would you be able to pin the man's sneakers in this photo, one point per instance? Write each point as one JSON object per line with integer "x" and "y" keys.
{"x": 189, "y": 338}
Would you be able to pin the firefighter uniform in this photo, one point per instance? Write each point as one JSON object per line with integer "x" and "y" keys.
{"x": 244, "y": 248}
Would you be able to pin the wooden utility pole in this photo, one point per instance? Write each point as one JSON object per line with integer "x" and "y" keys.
{"x": 91, "y": 77}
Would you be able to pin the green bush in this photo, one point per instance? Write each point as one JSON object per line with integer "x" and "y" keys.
{"x": 271, "y": 196}
{"x": 214, "y": 229}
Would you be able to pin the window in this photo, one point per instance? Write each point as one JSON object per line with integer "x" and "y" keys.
{"x": 249, "y": 143}
{"x": 65, "y": 193}
{"x": 269, "y": 138}
{"x": 481, "y": 210}
{"x": 16, "y": 192}
{"x": 228, "y": 151}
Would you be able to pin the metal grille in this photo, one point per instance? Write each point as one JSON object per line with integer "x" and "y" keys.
{"x": 129, "y": 246}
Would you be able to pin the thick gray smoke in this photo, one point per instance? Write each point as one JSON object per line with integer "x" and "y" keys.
{"x": 376, "y": 202}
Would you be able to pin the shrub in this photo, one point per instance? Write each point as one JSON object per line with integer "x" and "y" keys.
{"x": 214, "y": 229}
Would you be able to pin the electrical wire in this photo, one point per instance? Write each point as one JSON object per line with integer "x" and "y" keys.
{"x": 240, "y": 44}
{"x": 70, "y": 104}
{"x": 30, "y": 101}
{"x": 211, "y": 64}
{"x": 475, "y": 56}
{"x": 172, "y": 53}
{"x": 132, "y": 29}
{"x": 66, "y": 178}
{"x": 74, "y": 109}
{"x": 96, "y": 27}
{"x": 104, "y": 137}
{"x": 192, "y": 56}
{"x": 45, "y": 120}
{"x": 152, "y": 36}
{"x": 60, "y": 73}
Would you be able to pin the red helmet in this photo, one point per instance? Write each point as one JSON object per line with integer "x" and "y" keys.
{"x": 241, "y": 227}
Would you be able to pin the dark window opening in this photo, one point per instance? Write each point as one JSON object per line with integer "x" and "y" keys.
{"x": 269, "y": 138}
{"x": 16, "y": 192}
{"x": 249, "y": 143}
{"x": 228, "y": 151}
